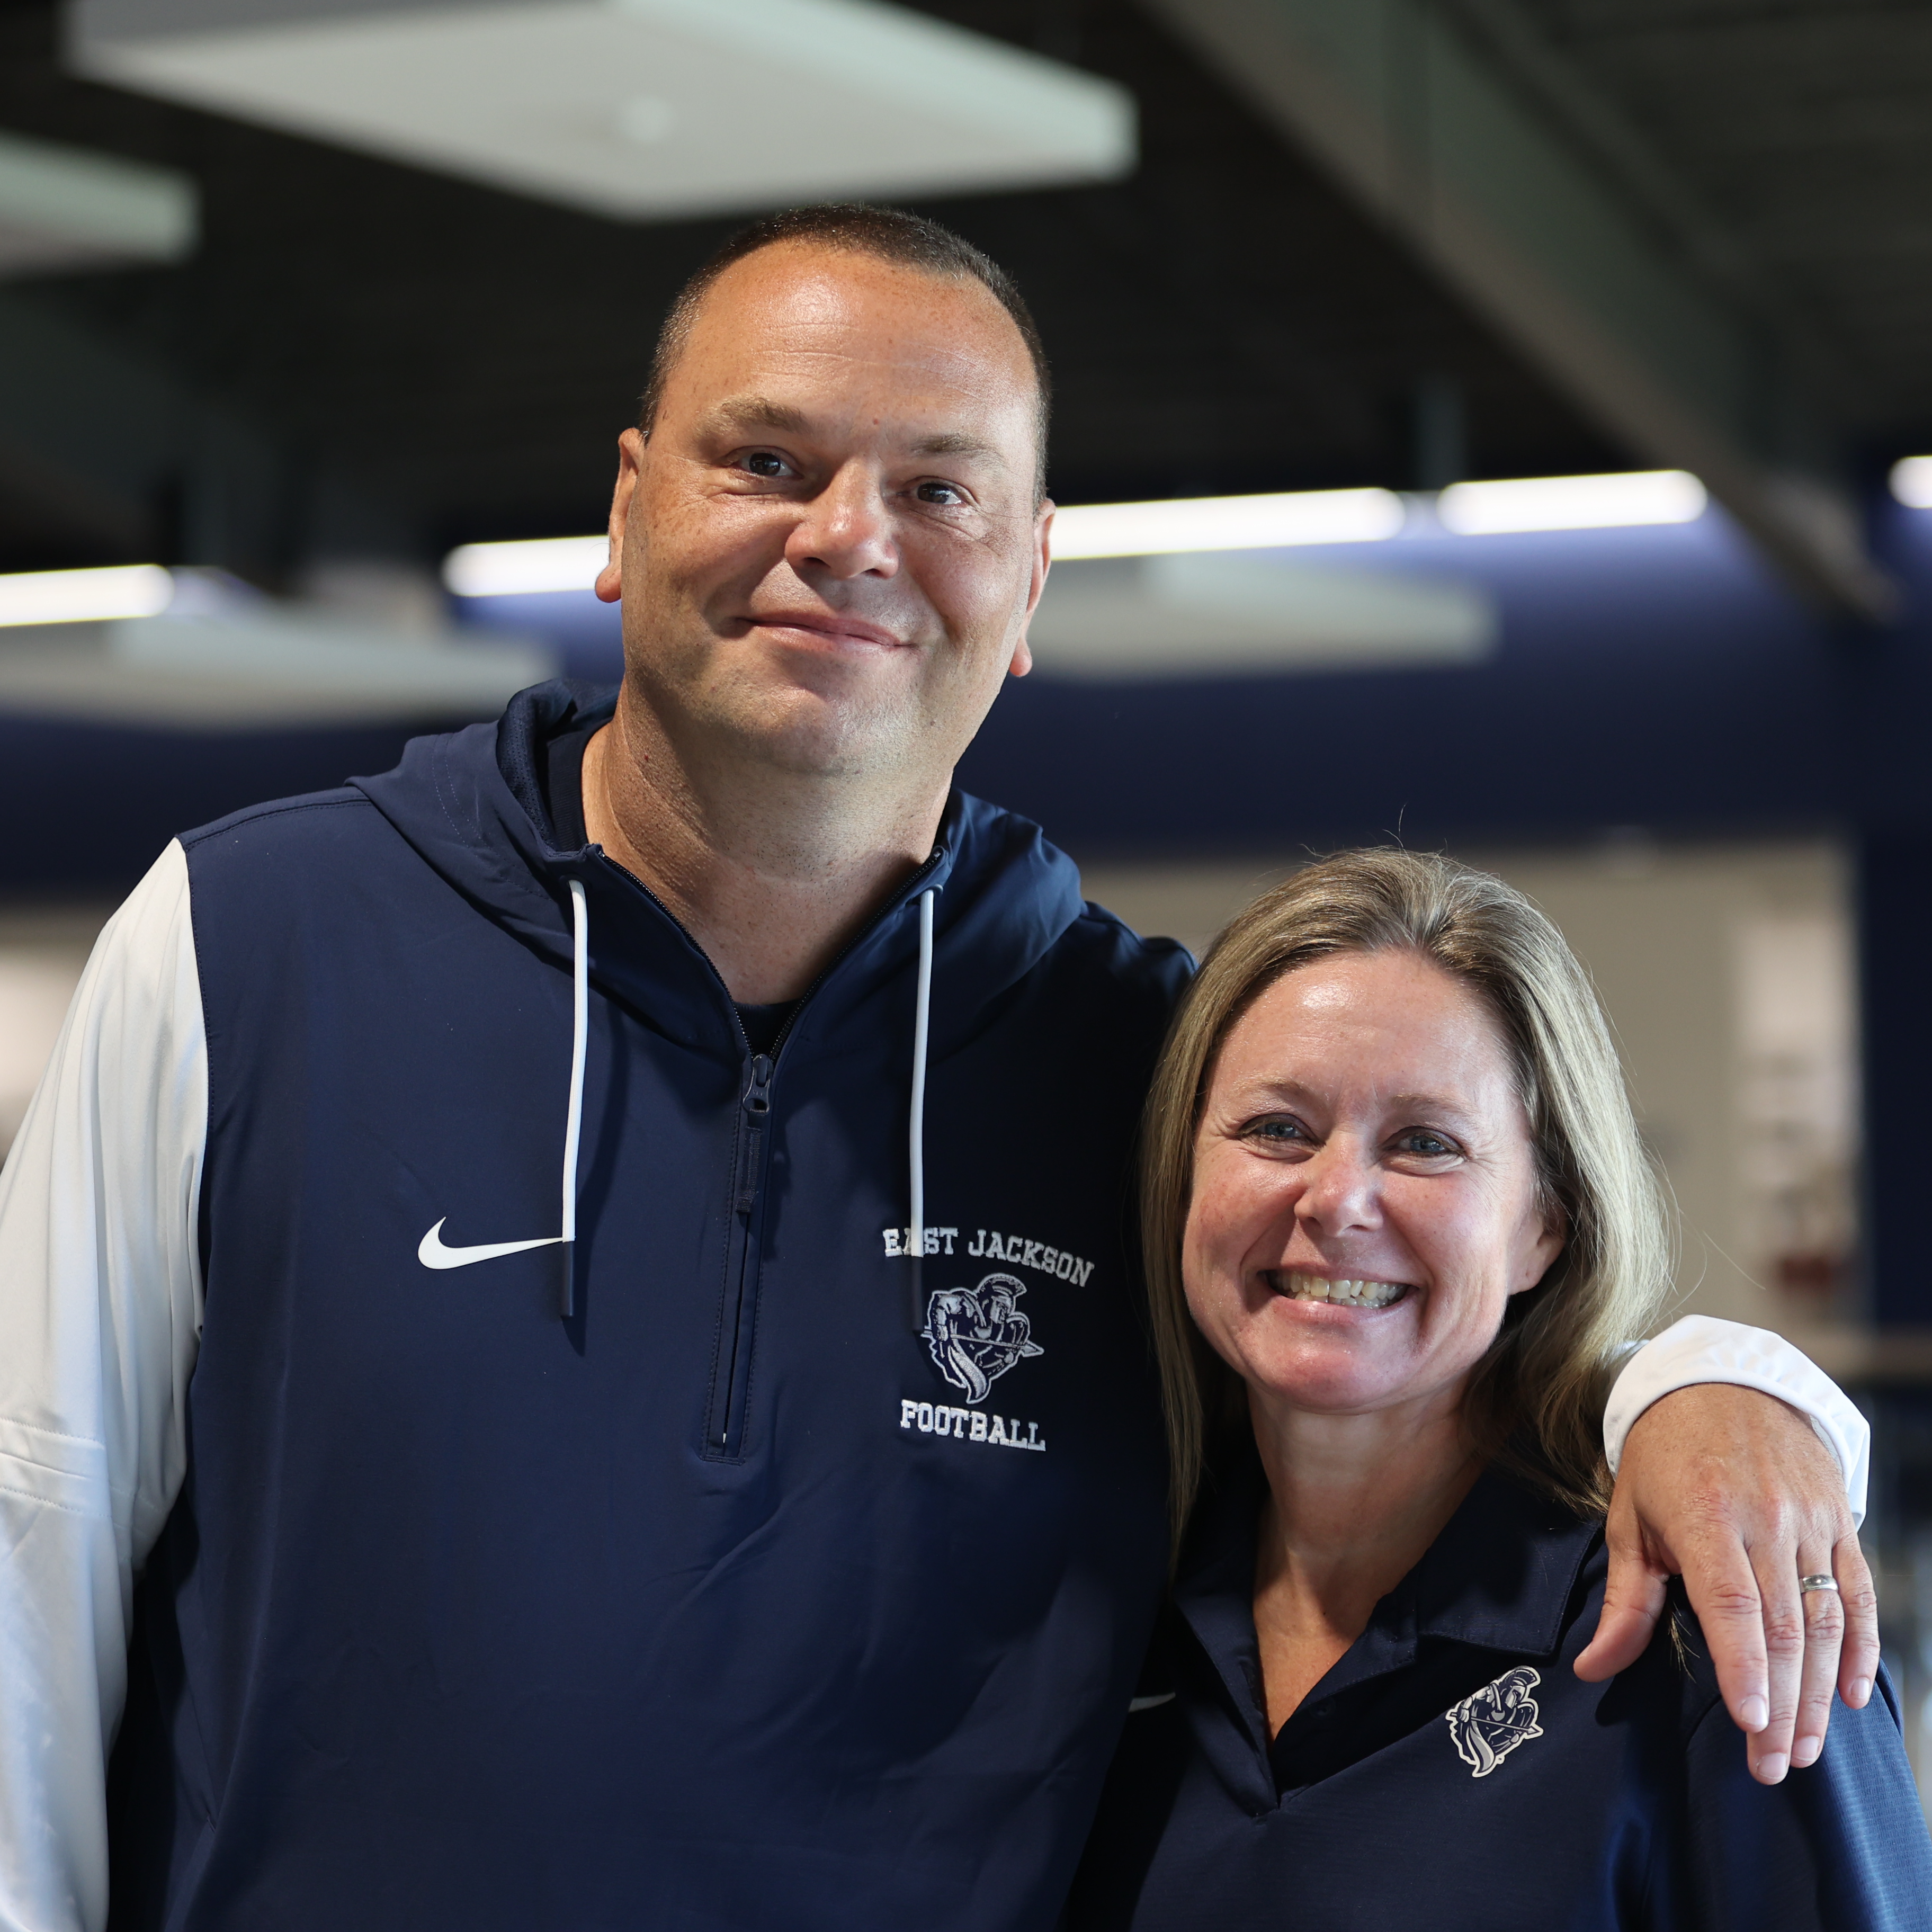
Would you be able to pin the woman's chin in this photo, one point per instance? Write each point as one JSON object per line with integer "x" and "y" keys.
{"x": 1319, "y": 1356}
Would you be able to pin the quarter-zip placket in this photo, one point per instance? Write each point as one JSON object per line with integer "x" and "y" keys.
{"x": 724, "y": 1434}
{"x": 725, "y": 1426}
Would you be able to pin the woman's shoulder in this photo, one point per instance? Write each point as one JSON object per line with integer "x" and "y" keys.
{"x": 1841, "y": 1842}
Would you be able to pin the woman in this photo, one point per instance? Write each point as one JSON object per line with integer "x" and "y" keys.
{"x": 1393, "y": 1176}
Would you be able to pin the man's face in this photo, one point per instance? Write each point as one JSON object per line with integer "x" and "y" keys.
{"x": 830, "y": 545}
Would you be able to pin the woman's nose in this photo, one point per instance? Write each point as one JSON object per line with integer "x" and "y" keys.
{"x": 846, "y": 531}
{"x": 1339, "y": 1188}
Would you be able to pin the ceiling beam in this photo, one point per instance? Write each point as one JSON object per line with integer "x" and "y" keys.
{"x": 125, "y": 450}
{"x": 1445, "y": 149}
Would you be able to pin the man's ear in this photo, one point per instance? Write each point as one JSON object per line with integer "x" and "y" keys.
{"x": 1043, "y": 562}
{"x": 610, "y": 585}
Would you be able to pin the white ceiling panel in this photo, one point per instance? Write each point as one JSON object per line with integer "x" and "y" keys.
{"x": 636, "y": 108}
{"x": 258, "y": 669}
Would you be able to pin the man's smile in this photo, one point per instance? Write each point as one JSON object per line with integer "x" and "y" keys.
{"x": 828, "y": 627}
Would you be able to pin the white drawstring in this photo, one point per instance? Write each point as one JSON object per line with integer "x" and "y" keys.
{"x": 432, "y": 1252}
{"x": 580, "y": 1038}
{"x": 580, "y": 1042}
{"x": 915, "y": 1127}
{"x": 580, "y": 1046}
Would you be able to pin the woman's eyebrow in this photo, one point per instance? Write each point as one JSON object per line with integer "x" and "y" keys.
{"x": 1432, "y": 1103}
{"x": 1292, "y": 1092}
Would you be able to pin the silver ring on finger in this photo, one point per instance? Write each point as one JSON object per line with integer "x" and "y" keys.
{"x": 1820, "y": 1583}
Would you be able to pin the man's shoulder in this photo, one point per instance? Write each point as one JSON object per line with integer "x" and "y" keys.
{"x": 1030, "y": 914}
{"x": 1162, "y": 967}
{"x": 289, "y": 863}
{"x": 1120, "y": 988}
{"x": 1112, "y": 941}
{"x": 306, "y": 825}
{"x": 1101, "y": 943}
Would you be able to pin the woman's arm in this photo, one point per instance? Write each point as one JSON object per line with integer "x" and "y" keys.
{"x": 1702, "y": 1349}
{"x": 1726, "y": 1479}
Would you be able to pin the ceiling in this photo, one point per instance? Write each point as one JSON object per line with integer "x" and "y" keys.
{"x": 417, "y": 361}
{"x": 1799, "y": 134}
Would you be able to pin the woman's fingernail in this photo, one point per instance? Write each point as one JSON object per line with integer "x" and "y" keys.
{"x": 1753, "y": 1714}
{"x": 1770, "y": 1768}
{"x": 1805, "y": 1751}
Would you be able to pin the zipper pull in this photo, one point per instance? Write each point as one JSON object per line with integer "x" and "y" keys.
{"x": 757, "y": 1105}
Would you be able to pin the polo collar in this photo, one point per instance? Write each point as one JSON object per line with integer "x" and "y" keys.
{"x": 1499, "y": 1577}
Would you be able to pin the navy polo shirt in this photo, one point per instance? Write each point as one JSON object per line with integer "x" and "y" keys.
{"x": 1452, "y": 1771}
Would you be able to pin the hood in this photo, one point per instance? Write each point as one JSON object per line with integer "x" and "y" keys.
{"x": 469, "y": 803}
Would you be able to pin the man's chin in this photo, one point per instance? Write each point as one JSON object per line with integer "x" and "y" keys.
{"x": 807, "y": 733}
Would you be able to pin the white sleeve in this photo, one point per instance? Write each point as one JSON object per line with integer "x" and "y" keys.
{"x": 99, "y": 1320}
{"x": 1701, "y": 1348}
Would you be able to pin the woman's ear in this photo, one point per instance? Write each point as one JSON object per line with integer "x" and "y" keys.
{"x": 1539, "y": 1257}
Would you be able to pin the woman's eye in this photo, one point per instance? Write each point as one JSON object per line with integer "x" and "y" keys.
{"x": 1420, "y": 1141}
{"x": 1289, "y": 1133}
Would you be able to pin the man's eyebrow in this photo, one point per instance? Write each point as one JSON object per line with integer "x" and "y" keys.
{"x": 747, "y": 412}
{"x": 736, "y": 414}
{"x": 957, "y": 443}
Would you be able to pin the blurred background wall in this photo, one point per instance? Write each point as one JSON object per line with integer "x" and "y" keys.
{"x": 1525, "y": 403}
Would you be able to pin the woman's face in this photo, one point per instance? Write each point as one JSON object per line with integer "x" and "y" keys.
{"x": 1365, "y": 1198}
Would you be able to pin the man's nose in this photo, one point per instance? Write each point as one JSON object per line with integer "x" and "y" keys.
{"x": 847, "y": 530}
{"x": 1340, "y": 1188}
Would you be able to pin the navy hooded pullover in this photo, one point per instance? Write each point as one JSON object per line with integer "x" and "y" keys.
{"x": 788, "y": 1582}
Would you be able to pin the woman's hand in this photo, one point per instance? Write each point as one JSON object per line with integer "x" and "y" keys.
{"x": 1732, "y": 1490}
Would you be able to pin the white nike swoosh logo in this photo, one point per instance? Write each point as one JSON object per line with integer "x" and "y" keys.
{"x": 1150, "y": 1703}
{"x": 433, "y": 1254}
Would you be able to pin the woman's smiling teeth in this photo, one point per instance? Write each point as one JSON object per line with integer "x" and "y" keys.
{"x": 1348, "y": 1293}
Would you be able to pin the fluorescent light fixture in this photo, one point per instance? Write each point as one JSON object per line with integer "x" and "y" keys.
{"x": 1226, "y": 522}
{"x": 1572, "y": 502}
{"x": 63, "y": 208}
{"x": 1204, "y": 615}
{"x": 525, "y": 569}
{"x": 1911, "y": 482}
{"x": 84, "y": 596}
{"x": 637, "y": 109}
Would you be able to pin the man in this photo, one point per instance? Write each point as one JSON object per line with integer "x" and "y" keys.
{"x": 765, "y": 1532}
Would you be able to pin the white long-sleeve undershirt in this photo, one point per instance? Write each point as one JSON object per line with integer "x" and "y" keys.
{"x": 100, "y": 1320}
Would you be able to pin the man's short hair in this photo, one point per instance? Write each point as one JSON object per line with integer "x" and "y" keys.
{"x": 886, "y": 234}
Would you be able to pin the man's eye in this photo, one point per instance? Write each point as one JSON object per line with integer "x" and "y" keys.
{"x": 766, "y": 463}
{"x": 944, "y": 493}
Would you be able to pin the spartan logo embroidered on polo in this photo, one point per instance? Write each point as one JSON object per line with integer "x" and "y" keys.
{"x": 975, "y": 1335}
{"x": 1490, "y": 1725}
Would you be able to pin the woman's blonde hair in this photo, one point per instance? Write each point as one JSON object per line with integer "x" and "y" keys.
{"x": 1534, "y": 1403}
